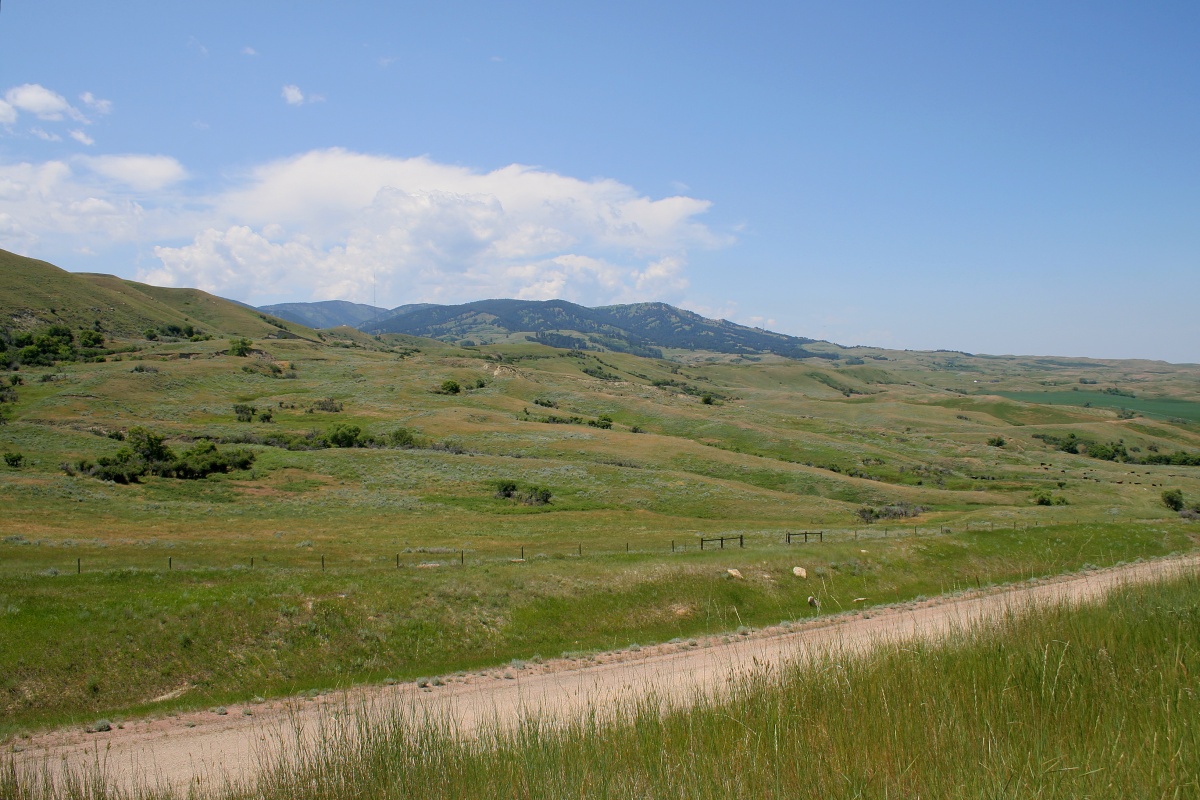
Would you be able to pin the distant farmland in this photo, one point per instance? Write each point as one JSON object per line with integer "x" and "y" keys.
{"x": 1163, "y": 408}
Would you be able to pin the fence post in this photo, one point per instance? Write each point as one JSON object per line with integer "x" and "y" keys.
{"x": 672, "y": 545}
{"x": 462, "y": 558}
{"x": 701, "y": 542}
{"x": 322, "y": 563}
{"x": 79, "y": 566}
{"x": 822, "y": 535}
{"x": 251, "y": 562}
{"x": 522, "y": 552}
{"x": 741, "y": 540}
{"x": 169, "y": 563}
{"x": 581, "y": 549}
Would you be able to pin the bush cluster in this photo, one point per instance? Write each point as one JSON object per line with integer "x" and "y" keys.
{"x": 145, "y": 452}
{"x": 869, "y": 514}
{"x": 528, "y": 495}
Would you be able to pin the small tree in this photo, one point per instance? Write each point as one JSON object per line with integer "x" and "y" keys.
{"x": 707, "y": 399}
{"x": 450, "y": 387}
{"x": 14, "y": 460}
{"x": 244, "y": 412}
{"x": 90, "y": 339}
{"x": 996, "y": 441}
{"x": 240, "y": 347}
{"x": 1173, "y": 499}
{"x": 344, "y": 435}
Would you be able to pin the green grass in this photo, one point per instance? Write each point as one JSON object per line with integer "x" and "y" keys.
{"x": 1159, "y": 408}
{"x": 1037, "y": 706}
{"x": 106, "y": 642}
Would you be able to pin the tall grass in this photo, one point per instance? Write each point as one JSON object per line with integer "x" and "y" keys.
{"x": 1100, "y": 701}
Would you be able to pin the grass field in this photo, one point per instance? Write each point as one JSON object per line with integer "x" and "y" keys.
{"x": 635, "y": 461}
{"x": 1157, "y": 407}
{"x": 1037, "y": 706}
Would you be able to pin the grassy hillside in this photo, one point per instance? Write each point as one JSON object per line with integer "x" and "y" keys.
{"x": 369, "y": 463}
{"x": 34, "y": 294}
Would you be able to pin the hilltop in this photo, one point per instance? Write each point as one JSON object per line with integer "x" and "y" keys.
{"x": 35, "y": 294}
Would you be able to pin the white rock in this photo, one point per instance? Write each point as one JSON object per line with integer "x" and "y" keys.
{"x": 733, "y": 573}
{"x": 799, "y": 572}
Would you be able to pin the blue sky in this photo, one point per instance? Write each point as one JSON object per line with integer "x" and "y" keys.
{"x": 1013, "y": 178}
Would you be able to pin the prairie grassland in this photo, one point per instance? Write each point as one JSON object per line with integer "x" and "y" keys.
{"x": 780, "y": 449}
{"x": 1060, "y": 701}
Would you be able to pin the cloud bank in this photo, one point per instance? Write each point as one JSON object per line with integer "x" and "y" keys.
{"x": 328, "y": 224}
{"x": 332, "y": 221}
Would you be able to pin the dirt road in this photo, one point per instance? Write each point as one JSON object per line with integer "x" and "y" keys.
{"x": 211, "y": 749}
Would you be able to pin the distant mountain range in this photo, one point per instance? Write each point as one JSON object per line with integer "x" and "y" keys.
{"x": 644, "y": 329}
{"x": 34, "y": 294}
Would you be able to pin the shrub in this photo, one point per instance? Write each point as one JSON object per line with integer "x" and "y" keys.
{"x": 90, "y": 339}
{"x": 54, "y": 344}
{"x": 345, "y": 436}
{"x": 996, "y": 441}
{"x": 240, "y": 347}
{"x": 869, "y": 514}
{"x": 1043, "y": 497}
{"x": 266, "y": 416}
{"x": 707, "y": 399}
{"x": 151, "y": 334}
{"x": 1173, "y": 499}
{"x": 244, "y": 412}
{"x": 203, "y": 459}
{"x": 506, "y": 489}
{"x": 14, "y": 460}
{"x": 402, "y": 437}
{"x": 328, "y": 404}
{"x": 450, "y": 387}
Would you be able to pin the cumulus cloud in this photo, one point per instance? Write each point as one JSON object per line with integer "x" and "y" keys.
{"x": 292, "y": 95}
{"x": 41, "y": 102}
{"x": 329, "y": 220}
{"x": 82, "y": 138}
{"x": 49, "y": 200}
{"x": 139, "y": 172}
{"x": 8, "y": 114}
{"x": 249, "y": 51}
{"x": 323, "y": 224}
{"x": 45, "y": 136}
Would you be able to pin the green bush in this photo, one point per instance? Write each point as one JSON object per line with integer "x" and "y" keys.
{"x": 90, "y": 339}
{"x": 996, "y": 441}
{"x": 14, "y": 460}
{"x": 52, "y": 345}
{"x": 345, "y": 436}
{"x": 240, "y": 347}
{"x": 1043, "y": 497}
{"x": 244, "y": 412}
{"x": 450, "y": 387}
{"x": 1173, "y": 499}
{"x": 402, "y": 437}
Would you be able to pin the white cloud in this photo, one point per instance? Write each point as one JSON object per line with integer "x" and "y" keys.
{"x": 41, "y": 102}
{"x": 8, "y": 114}
{"x": 292, "y": 95}
{"x": 139, "y": 172}
{"x": 95, "y": 103}
{"x": 249, "y": 51}
{"x": 82, "y": 138}
{"x": 44, "y": 135}
{"x": 328, "y": 220}
{"x": 320, "y": 225}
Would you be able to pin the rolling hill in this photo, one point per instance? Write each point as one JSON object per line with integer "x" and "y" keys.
{"x": 34, "y": 294}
